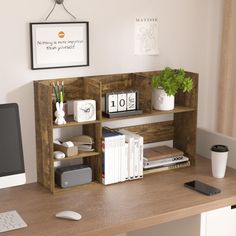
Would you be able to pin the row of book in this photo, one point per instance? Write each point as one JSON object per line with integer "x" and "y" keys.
{"x": 163, "y": 158}
{"x": 122, "y": 156}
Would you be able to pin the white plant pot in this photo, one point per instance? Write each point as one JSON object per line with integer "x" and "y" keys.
{"x": 161, "y": 101}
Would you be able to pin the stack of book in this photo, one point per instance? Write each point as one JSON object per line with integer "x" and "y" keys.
{"x": 84, "y": 143}
{"x": 163, "y": 158}
{"x": 122, "y": 156}
{"x": 134, "y": 147}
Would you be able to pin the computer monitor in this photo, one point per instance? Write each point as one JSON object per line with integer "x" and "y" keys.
{"x": 12, "y": 170}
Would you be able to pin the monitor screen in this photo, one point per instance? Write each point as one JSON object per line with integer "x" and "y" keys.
{"x": 11, "y": 152}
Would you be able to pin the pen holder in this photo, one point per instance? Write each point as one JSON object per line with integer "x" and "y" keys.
{"x": 59, "y": 114}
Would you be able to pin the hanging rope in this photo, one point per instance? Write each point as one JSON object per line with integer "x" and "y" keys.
{"x": 51, "y": 11}
{"x": 68, "y": 11}
{"x": 59, "y": 2}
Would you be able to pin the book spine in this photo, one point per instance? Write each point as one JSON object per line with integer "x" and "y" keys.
{"x": 136, "y": 157}
{"x": 165, "y": 168}
{"x": 137, "y": 153}
{"x": 106, "y": 179}
{"x": 171, "y": 158}
{"x": 164, "y": 162}
{"x": 103, "y": 161}
{"x": 123, "y": 164}
{"x": 140, "y": 157}
{"x": 109, "y": 175}
{"x": 114, "y": 159}
{"x": 126, "y": 164}
{"x": 131, "y": 158}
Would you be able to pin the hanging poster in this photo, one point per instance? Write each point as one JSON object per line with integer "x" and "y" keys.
{"x": 57, "y": 45}
{"x": 146, "y": 37}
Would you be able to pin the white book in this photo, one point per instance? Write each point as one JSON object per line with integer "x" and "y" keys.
{"x": 123, "y": 159}
{"x": 109, "y": 175}
{"x": 113, "y": 147}
{"x": 138, "y": 159}
{"x": 130, "y": 141}
{"x": 126, "y": 170}
{"x": 131, "y": 156}
{"x": 118, "y": 156}
{"x": 115, "y": 150}
{"x": 106, "y": 179}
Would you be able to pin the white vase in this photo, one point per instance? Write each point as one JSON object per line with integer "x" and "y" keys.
{"x": 161, "y": 101}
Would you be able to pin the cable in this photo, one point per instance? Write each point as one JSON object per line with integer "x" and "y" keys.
{"x": 51, "y": 11}
{"x": 59, "y": 2}
{"x": 68, "y": 11}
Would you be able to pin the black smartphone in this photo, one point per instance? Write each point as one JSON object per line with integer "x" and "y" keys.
{"x": 202, "y": 187}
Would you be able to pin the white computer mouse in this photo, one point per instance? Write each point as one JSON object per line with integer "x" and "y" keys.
{"x": 69, "y": 215}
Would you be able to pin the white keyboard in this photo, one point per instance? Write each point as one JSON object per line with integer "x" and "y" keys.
{"x": 11, "y": 220}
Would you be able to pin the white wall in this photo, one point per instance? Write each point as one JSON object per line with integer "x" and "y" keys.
{"x": 206, "y": 139}
{"x": 189, "y": 37}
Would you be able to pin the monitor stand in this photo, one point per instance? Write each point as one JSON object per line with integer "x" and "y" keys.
{"x": 12, "y": 180}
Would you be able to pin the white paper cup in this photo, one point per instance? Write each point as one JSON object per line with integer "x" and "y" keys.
{"x": 219, "y": 156}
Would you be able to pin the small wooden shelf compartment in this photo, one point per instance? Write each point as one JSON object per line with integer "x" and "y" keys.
{"x": 75, "y": 88}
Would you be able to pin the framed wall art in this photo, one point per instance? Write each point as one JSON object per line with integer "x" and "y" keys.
{"x": 59, "y": 44}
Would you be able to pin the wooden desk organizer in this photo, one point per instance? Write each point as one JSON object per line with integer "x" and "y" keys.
{"x": 181, "y": 130}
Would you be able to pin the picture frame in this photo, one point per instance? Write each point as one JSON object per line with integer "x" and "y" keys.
{"x": 59, "y": 44}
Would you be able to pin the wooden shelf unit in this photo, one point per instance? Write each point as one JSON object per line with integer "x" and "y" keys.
{"x": 182, "y": 129}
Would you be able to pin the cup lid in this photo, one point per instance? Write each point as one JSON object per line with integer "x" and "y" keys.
{"x": 219, "y": 148}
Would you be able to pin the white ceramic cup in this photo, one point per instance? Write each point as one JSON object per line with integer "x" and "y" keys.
{"x": 219, "y": 156}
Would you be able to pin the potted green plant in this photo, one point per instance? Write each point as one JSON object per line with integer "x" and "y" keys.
{"x": 166, "y": 85}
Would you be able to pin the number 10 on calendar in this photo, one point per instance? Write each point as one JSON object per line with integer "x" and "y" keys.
{"x": 120, "y": 102}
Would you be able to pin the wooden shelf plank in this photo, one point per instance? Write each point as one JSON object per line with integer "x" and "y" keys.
{"x": 80, "y": 155}
{"x": 167, "y": 168}
{"x": 178, "y": 109}
{"x": 59, "y": 189}
{"x": 70, "y": 122}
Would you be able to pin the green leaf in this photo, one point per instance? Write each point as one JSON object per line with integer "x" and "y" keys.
{"x": 172, "y": 81}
